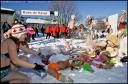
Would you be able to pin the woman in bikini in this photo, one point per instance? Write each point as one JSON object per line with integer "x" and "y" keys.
{"x": 10, "y": 59}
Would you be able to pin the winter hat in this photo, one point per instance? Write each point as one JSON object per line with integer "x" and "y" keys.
{"x": 113, "y": 39}
{"x": 73, "y": 17}
{"x": 17, "y": 30}
{"x": 124, "y": 11}
{"x": 88, "y": 17}
{"x": 30, "y": 30}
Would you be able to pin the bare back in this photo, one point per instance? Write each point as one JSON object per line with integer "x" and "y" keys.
{"x": 4, "y": 50}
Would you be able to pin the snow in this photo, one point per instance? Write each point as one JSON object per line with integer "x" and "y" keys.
{"x": 7, "y": 9}
{"x": 118, "y": 74}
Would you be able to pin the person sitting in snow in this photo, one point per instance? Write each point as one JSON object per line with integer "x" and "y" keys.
{"x": 10, "y": 59}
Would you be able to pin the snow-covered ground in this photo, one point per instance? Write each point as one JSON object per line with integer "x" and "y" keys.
{"x": 114, "y": 75}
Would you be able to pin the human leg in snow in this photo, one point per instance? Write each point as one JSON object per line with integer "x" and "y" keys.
{"x": 14, "y": 67}
{"x": 53, "y": 69}
{"x": 16, "y": 77}
{"x": 46, "y": 35}
{"x": 49, "y": 34}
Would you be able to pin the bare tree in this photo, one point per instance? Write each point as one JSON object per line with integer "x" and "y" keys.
{"x": 65, "y": 9}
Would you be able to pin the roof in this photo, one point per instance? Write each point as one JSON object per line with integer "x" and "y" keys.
{"x": 6, "y": 11}
{"x": 40, "y": 21}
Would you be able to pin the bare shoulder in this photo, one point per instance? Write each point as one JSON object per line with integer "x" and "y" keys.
{"x": 122, "y": 16}
{"x": 9, "y": 42}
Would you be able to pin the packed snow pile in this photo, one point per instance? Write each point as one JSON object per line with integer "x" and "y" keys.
{"x": 58, "y": 50}
{"x": 58, "y": 57}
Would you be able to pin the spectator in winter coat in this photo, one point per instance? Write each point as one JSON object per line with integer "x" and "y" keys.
{"x": 42, "y": 30}
{"x": 57, "y": 29}
{"x": 31, "y": 32}
{"x": 5, "y": 27}
{"x": 63, "y": 31}
{"x": 54, "y": 33}
{"x": 48, "y": 31}
{"x": 15, "y": 22}
{"x": 36, "y": 30}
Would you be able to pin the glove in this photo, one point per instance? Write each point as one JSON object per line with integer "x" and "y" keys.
{"x": 39, "y": 67}
{"x": 40, "y": 70}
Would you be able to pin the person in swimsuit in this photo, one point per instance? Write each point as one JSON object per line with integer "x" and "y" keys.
{"x": 122, "y": 23}
{"x": 107, "y": 26}
{"x": 71, "y": 25}
{"x": 10, "y": 59}
{"x": 110, "y": 45}
{"x": 91, "y": 30}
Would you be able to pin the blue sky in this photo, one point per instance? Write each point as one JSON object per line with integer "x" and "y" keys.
{"x": 94, "y": 8}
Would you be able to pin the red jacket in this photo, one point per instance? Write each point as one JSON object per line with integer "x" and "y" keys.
{"x": 57, "y": 29}
{"x": 63, "y": 29}
{"x": 67, "y": 29}
{"x": 48, "y": 29}
{"x": 54, "y": 31}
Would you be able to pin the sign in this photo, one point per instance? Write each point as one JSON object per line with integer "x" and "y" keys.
{"x": 113, "y": 21}
{"x": 32, "y": 12}
{"x": 56, "y": 13}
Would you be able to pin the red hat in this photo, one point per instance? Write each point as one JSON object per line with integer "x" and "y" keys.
{"x": 17, "y": 30}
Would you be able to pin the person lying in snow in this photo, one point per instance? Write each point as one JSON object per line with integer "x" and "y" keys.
{"x": 58, "y": 62}
{"x": 10, "y": 59}
{"x": 109, "y": 47}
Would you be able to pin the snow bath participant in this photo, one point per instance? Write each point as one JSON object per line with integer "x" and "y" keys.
{"x": 48, "y": 31}
{"x": 59, "y": 62}
{"x": 71, "y": 25}
{"x": 107, "y": 26}
{"x": 110, "y": 46}
{"x": 91, "y": 29}
{"x": 10, "y": 59}
{"x": 122, "y": 23}
{"x": 63, "y": 31}
{"x": 55, "y": 63}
